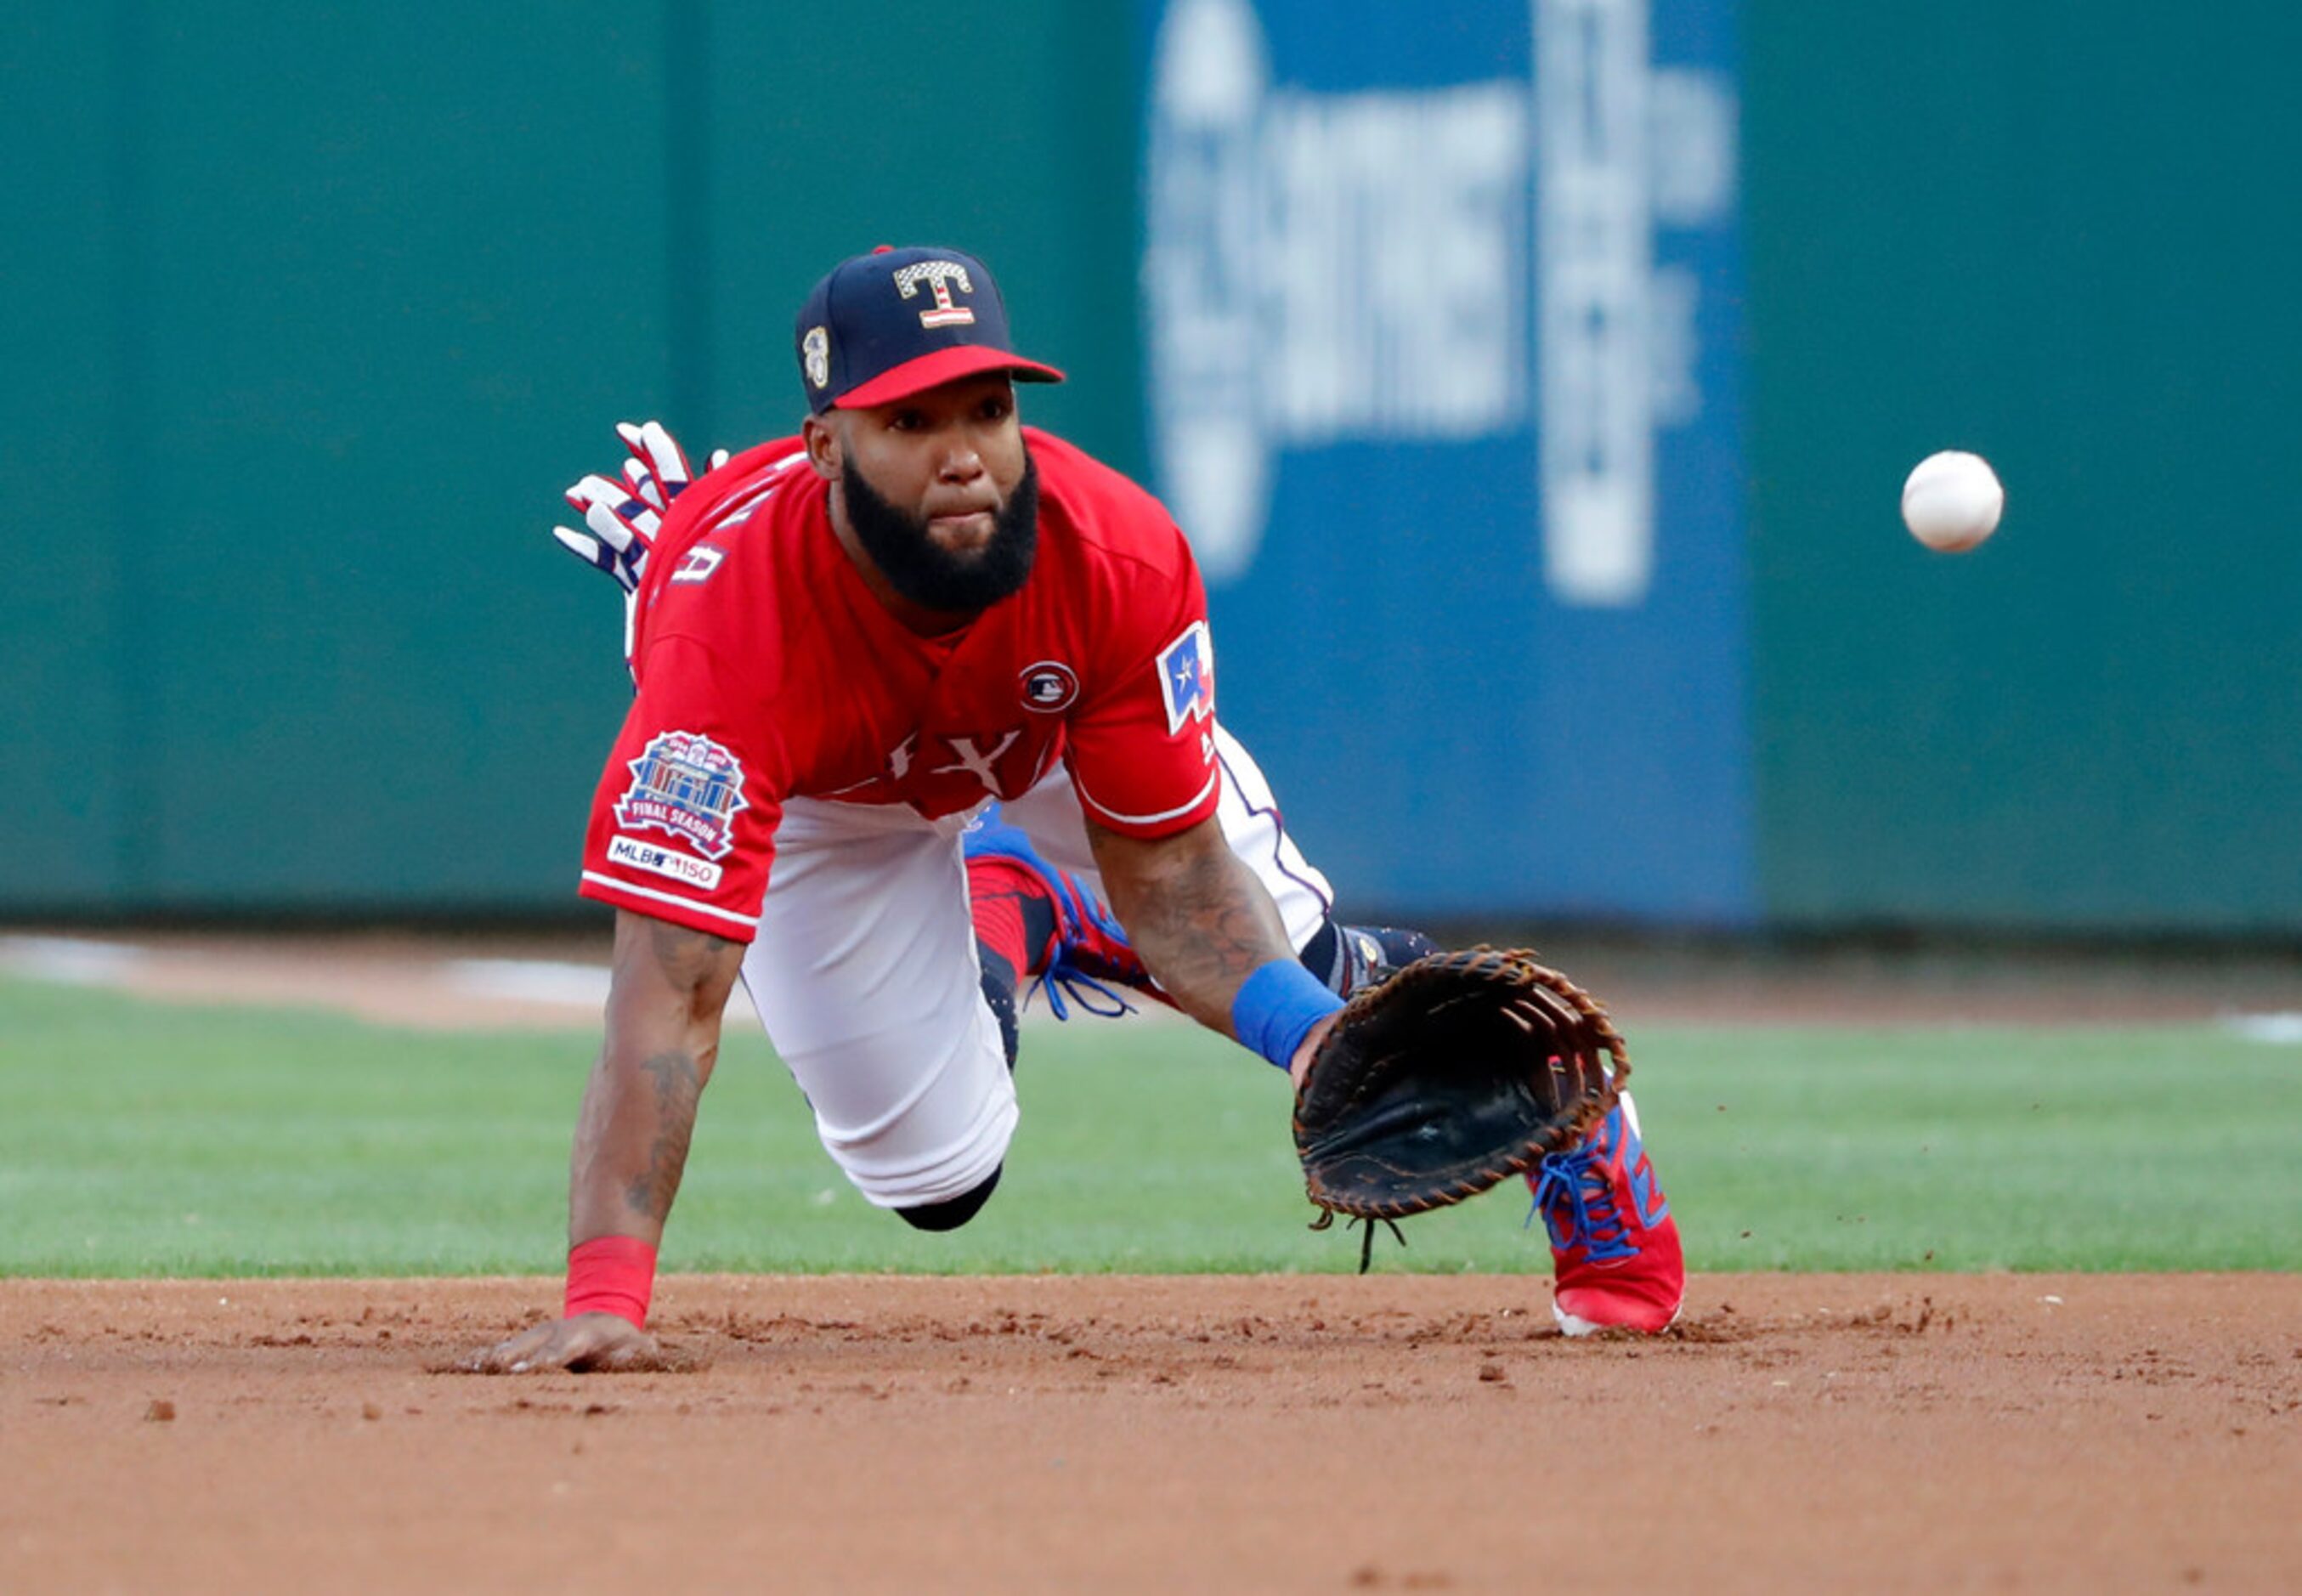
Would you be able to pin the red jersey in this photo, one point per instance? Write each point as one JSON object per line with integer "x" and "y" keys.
{"x": 767, "y": 671}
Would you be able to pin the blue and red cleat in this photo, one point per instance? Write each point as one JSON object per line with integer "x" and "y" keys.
{"x": 1090, "y": 953}
{"x": 1612, "y": 1239}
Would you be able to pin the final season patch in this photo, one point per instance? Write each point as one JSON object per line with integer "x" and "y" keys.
{"x": 1048, "y": 686}
{"x": 688, "y": 785}
{"x": 1187, "y": 676}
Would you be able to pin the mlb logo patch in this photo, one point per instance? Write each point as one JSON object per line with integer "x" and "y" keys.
{"x": 687, "y": 787}
{"x": 1187, "y": 676}
{"x": 1049, "y": 687}
{"x": 664, "y": 861}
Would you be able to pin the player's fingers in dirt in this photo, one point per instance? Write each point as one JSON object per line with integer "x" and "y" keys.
{"x": 636, "y": 1358}
{"x": 587, "y": 1342}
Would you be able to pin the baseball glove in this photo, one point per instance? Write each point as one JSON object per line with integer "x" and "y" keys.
{"x": 1462, "y": 1069}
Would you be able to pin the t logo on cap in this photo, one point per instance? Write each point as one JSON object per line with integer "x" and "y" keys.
{"x": 938, "y": 275}
{"x": 860, "y": 346}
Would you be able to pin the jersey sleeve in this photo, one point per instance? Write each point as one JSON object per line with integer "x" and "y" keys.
{"x": 1142, "y": 750}
{"x": 683, "y": 821}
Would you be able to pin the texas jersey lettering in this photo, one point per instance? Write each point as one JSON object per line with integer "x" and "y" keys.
{"x": 767, "y": 670}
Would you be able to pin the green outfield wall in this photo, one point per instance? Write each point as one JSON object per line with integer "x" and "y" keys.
{"x": 311, "y": 310}
{"x": 2065, "y": 235}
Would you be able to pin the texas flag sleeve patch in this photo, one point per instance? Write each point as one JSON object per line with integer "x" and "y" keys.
{"x": 1187, "y": 676}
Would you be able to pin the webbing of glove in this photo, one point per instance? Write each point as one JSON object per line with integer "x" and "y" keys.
{"x": 1460, "y": 1071}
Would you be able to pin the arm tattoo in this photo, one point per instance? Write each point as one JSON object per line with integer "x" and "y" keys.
{"x": 1201, "y": 921}
{"x": 687, "y": 957}
{"x": 679, "y": 1085}
{"x": 639, "y": 1109}
{"x": 1209, "y": 923}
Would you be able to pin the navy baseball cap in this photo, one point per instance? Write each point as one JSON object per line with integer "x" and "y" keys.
{"x": 883, "y": 326}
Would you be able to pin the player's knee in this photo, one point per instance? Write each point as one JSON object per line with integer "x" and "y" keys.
{"x": 951, "y": 1213}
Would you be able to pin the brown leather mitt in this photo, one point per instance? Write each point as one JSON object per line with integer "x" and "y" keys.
{"x": 1456, "y": 1074}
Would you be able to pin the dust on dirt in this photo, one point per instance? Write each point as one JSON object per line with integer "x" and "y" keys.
{"x": 1122, "y": 1434}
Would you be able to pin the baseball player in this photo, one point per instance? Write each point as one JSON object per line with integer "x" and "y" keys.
{"x": 846, "y": 647}
{"x": 625, "y": 521}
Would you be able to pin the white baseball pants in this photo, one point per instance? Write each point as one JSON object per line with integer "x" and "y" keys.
{"x": 864, "y": 973}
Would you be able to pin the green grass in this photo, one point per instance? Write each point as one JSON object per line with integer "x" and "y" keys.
{"x": 140, "y": 1139}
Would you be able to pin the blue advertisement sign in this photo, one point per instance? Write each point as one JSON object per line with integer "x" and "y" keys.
{"x": 1442, "y": 312}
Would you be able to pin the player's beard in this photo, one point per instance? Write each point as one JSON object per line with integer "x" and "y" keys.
{"x": 936, "y": 578}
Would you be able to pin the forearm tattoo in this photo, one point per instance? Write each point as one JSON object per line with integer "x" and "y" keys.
{"x": 689, "y": 960}
{"x": 678, "y": 1086}
{"x": 1203, "y": 924}
{"x": 639, "y": 1111}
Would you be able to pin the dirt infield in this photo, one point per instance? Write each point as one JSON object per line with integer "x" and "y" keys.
{"x": 1267, "y": 1434}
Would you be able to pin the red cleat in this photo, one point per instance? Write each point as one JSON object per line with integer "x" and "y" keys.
{"x": 1090, "y": 954}
{"x": 1612, "y": 1238}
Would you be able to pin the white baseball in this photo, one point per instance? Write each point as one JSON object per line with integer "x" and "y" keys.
{"x": 1952, "y": 501}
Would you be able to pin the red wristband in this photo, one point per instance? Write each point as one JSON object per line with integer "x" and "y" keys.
{"x": 611, "y": 1274}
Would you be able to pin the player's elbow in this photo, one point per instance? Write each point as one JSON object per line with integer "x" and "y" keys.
{"x": 1139, "y": 870}
{"x": 670, "y": 979}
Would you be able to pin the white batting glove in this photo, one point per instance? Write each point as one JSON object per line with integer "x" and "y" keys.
{"x": 622, "y": 518}
{"x": 658, "y": 468}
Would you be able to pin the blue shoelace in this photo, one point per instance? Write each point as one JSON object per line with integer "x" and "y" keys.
{"x": 1064, "y": 977}
{"x": 1571, "y": 1183}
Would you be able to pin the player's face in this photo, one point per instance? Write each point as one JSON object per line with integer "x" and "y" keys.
{"x": 942, "y": 493}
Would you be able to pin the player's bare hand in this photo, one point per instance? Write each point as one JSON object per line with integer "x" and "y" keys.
{"x": 588, "y": 1343}
{"x": 1301, "y": 1063}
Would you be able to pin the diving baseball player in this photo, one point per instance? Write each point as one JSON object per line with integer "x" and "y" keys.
{"x": 624, "y": 522}
{"x": 846, "y": 646}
